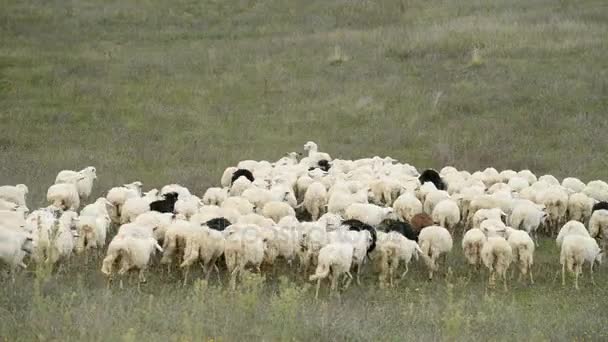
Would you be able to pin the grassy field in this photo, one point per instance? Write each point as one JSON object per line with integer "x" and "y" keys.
{"x": 166, "y": 92}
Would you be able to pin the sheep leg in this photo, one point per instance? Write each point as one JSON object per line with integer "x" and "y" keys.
{"x": 591, "y": 272}
{"x": 348, "y": 280}
{"x": 406, "y": 270}
{"x": 576, "y": 272}
{"x": 317, "y": 290}
{"x": 504, "y": 279}
{"x": 186, "y": 272}
{"x": 564, "y": 274}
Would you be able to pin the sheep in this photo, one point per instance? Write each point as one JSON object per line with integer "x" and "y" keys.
{"x": 599, "y": 206}
{"x": 314, "y": 156}
{"x": 523, "y": 248}
{"x": 571, "y": 228}
{"x": 432, "y": 199}
{"x": 507, "y": 175}
{"x": 598, "y": 190}
{"x": 215, "y": 196}
{"x": 241, "y": 205}
{"x": 239, "y": 186}
{"x": 518, "y": 183}
{"x": 226, "y": 179}
{"x": 493, "y": 227}
{"x": 446, "y": 214}
{"x": 580, "y": 207}
{"x": 14, "y": 246}
{"x": 421, "y": 221}
{"x": 406, "y": 206}
{"x": 598, "y": 226}
{"x": 487, "y": 214}
{"x": 155, "y": 223}
{"x": 134, "y": 207}
{"x": 385, "y": 190}
{"x": 206, "y": 245}
{"x": 401, "y": 227}
{"x": 118, "y": 196}
{"x": 64, "y": 196}
{"x": 555, "y": 200}
{"x": 258, "y": 197}
{"x": 187, "y": 206}
{"x": 85, "y": 177}
{"x": 258, "y": 220}
{"x": 315, "y": 200}
{"x": 92, "y": 231}
{"x": 335, "y": 259}
{"x": 277, "y": 210}
{"x": 283, "y": 193}
{"x": 573, "y": 184}
{"x": 241, "y": 173}
{"x": 549, "y": 179}
{"x": 313, "y": 237}
{"x": 53, "y": 239}
{"x": 100, "y": 207}
{"x": 490, "y": 176}
{"x": 432, "y": 176}
{"x": 527, "y": 175}
{"x": 242, "y": 249}
{"x": 527, "y": 217}
{"x": 132, "y": 253}
{"x": 339, "y": 201}
{"x": 11, "y": 218}
{"x": 15, "y": 194}
{"x": 497, "y": 255}
{"x": 392, "y": 248}
{"x": 472, "y": 244}
{"x": 368, "y": 213}
{"x": 166, "y": 205}
{"x": 330, "y": 221}
{"x": 575, "y": 250}
{"x": 174, "y": 243}
{"x": 434, "y": 241}
{"x": 502, "y": 200}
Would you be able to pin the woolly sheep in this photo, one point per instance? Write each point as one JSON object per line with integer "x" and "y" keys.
{"x": 239, "y": 186}
{"x": 258, "y": 220}
{"x": 579, "y": 207}
{"x": 434, "y": 241}
{"x": 283, "y": 193}
{"x": 523, "y": 251}
{"x": 84, "y": 184}
{"x": 186, "y": 207}
{"x": 63, "y": 196}
{"x": 555, "y": 200}
{"x": 181, "y": 191}
{"x": 421, "y": 221}
{"x": 206, "y": 245}
{"x": 339, "y": 201}
{"x": 241, "y": 250}
{"x": 507, "y": 175}
{"x": 527, "y": 217}
{"x": 393, "y": 248}
{"x": 131, "y": 253}
{"x": 277, "y": 210}
{"x": 406, "y": 206}
{"x": 487, "y": 214}
{"x": 528, "y": 175}
{"x": 335, "y": 259}
{"x": 549, "y": 179}
{"x": 313, "y": 237}
{"x": 174, "y": 243}
{"x": 432, "y": 199}
{"x": 367, "y": 213}
{"x": 15, "y": 194}
{"x": 227, "y": 176}
{"x": 598, "y": 226}
{"x": 134, "y": 207}
{"x": 101, "y": 207}
{"x": 446, "y": 214}
{"x": 573, "y": 184}
{"x": 360, "y": 240}
{"x": 239, "y": 204}
{"x": 215, "y": 196}
{"x": 315, "y": 200}
{"x": 330, "y": 221}
{"x": 518, "y": 183}
{"x": 53, "y": 240}
{"x": 258, "y": 197}
{"x": 598, "y": 190}
{"x": 14, "y": 246}
{"x": 472, "y": 243}
{"x": 118, "y": 196}
{"x": 575, "y": 250}
{"x": 497, "y": 255}
{"x": 571, "y": 228}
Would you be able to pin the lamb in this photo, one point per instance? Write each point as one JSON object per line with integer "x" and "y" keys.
{"x": 53, "y": 240}
{"x": 392, "y": 248}
{"x": 497, "y": 255}
{"x": 432, "y": 176}
{"x": 166, "y": 205}
{"x": 14, "y": 246}
{"x": 571, "y": 228}
{"x": 472, "y": 244}
{"x": 403, "y": 228}
{"x": 523, "y": 251}
{"x": 215, "y": 196}
{"x": 446, "y": 214}
{"x": 434, "y": 241}
{"x": 406, "y": 206}
{"x": 580, "y": 207}
{"x": 154, "y": 223}
{"x": 15, "y": 194}
{"x": 421, "y": 221}
{"x": 335, "y": 259}
{"x": 206, "y": 245}
{"x": 527, "y": 217}
{"x": 575, "y": 250}
{"x": 598, "y": 226}
{"x": 101, "y": 207}
{"x": 241, "y": 250}
{"x": 277, "y": 210}
{"x": 368, "y": 213}
{"x": 85, "y": 177}
{"x": 500, "y": 200}
{"x": 361, "y": 240}
{"x": 64, "y": 196}
{"x": 313, "y": 238}
{"x": 315, "y": 200}
{"x": 283, "y": 193}
{"x": 132, "y": 253}
{"x": 134, "y": 207}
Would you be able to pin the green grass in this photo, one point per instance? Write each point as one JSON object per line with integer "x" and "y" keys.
{"x": 166, "y": 92}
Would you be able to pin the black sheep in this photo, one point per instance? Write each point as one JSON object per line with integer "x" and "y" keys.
{"x": 359, "y": 226}
{"x": 242, "y": 173}
{"x": 324, "y": 165}
{"x": 166, "y": 205}
{"x": 404, "y": 228}
{"x": 219, "y": 223}
{"x": 600, "y": 206}
{"x": 432, "y": 176}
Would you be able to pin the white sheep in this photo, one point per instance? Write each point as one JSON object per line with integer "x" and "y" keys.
{"x": 549, "y": 179}
{"x": 239, "y": 204}
{"x": 573, "y": 184}
{"x": 53, "y": 239}
{"x": 227, "y": 177}
{"x": 575, "y": 250}
{"x": 486, "y": 214}
{"x": 497, "y": 255}
{"x": 101, "y": 207}
{"x": 258, "y": 197}
{"x": 579, "y": 207}
{"x": 472, "y": 243}
{"x": 434, "y": 242}
{"x": 598, "y": 190}
{"x": 14, "y": 246}
{"x": 528, "y": 175}
{"x": 335, "y": 259}
{"x": 284, "y": 193}
{"x": 392, "y": 248}
{"x": 313, "y": 237}
{"x": 64, "y": 196}
{"x": 277, "y": 210}
{"x": 315, "y": 200}
{"x": 131, "y": 252}
{"x": 406, "y": 206}
{"x": 523, "y": 248}
{"x": 157, "y": 223}
{"x": 180, "y": 190}
{"x": 15, "y": 194}
{"x": 6, "y": 205}
{"x": 432, "y": 199}
{"x": 314, "y": 156}
{"x": 117, "y": 197}
{"x": 215, "y": 196}
{"x": 84, "y": 184}
{"x": 258, "y": 220}
{"x": 340, "y": 200}
{"x": 239, "y": 186}
{"x": 134, "y": 207}
{"x": 242, "y": 249}
{"x": 447, "y": 214}
{"x": 174, "y": 243}
{"x": 527, "y": 217}
{"x": 571, "y": 228}
{"x": 330, "y": 221}
{"x": 367, "y": 213}
{"x": 206, "y": 245}
{"x": 187, "y": 206}
{"x": 555, "y": 200}
{"x": 598, "y": 226}
{"x": 518, "y": 183}
{"x": 92, "y": 231}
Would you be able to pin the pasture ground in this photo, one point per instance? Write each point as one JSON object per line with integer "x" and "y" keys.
{"x": 176, "y": 91}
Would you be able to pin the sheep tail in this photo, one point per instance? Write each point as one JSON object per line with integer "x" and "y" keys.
{"x": 321, "y": 272}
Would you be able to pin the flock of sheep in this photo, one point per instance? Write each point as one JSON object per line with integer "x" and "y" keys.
{"x": 326, "y": 217}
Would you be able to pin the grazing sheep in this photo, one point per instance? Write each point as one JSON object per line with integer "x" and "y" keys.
{"x": 555, "y": 200}
{"x": 335, "y": 259}
{"x": 472, "y": 243}
{"x": 166, "y": 205}
{"x": 523, "y": 251}
{"x": 206, "y": 245}
{"x": 64, "y": 196}
{"x": 85, "y": 177}
{"x": 92, "y": 231}
{"x": 188, "y": 206}
{"x": 575, "y": 250}
{"x": 258, "y": 197}
{"x": 421, "y": 221}
{"x": 487, "y": 214}
{"x": 497, "y": 255}
{"x": 580, "y": 207}
{"x": 573, "y": 184}
{"x": 598, "y": 226}
{"x": 446, "y": 214}
{"x": 174, "y": 243}
{"x": 241, "y": 205}
{"x": 118, "y": 196}
{"x": 134, "y": 207}
{"x": 406, "y": 206}
{"x": 239, "y": 186}
{"x": 527, "y": 217}
{"x": 339, "y": 201}
{"x": 432, "y": 176}
{"x": 527, "y": 175}
{"x": 571, "y": 228}
{"x": 434, "y": 241}
{"x": 15, "y": 194}
{"x": 130, "y": 252}
{"x": 315, "y": 200}
{"x": 598, "y": 190}
{"x": 518, "y": 183}
{"x": 392, "y": 248}
{"x": 403, "y": 228}
{"x": 277, "y": 210}
{"x": 242, "y": 249}
{"x": 14, "y": 246}
{"x": 215, "y": 196}
{"x": 432, "y": 199}
{"x": 313, "y": 238}
{"x": 368, "y": 213}
{"x": 241, "y": 173}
